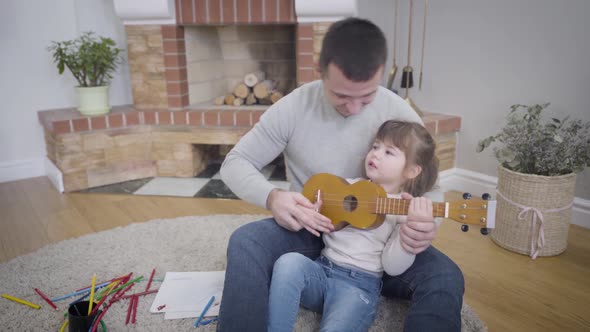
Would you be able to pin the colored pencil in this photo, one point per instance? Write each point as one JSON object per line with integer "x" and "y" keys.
{"x": 129, "y": 311}
{"x": 104, "y": 283}
{"x": 91, "y": 294}
{"x": 129, "y": 283}
{"x": 124, "y": 282}
{"x": 116, "y": 298}
{"x": 204, "y": 311}
{"x": 139, "y": 294}
{"x": 151, "y": 278}
{"x": 106, "y": 290}
{"x": 103, "y": 298}
{"x": 21, "y": 301}
{"x": 80, "y": 298}
{"x": 75, "y": 293}
{"x": 135, "y": 308}
{"x": 46, "y": 299}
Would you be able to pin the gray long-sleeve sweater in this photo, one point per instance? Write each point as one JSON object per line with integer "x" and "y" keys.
{"x": 313, "y": 137}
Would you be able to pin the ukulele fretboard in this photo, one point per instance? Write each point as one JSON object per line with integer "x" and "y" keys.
{"x": 397, "y": 206}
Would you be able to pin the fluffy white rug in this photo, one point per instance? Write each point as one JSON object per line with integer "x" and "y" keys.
{"x": 181, "y": 244}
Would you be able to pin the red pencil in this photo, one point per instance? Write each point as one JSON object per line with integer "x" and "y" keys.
{"x": 151, "y": 278}
{"x": 129, "y": 311}
{"x": 139, "y": 294}
{"x": 135, "y": 308}
{"x": 46, "y": 299}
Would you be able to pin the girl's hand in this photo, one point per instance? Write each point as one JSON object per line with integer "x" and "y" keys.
{"x": 417, "y": 234}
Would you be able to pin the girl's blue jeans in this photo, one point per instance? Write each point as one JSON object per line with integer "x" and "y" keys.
{"x": 347, "y": 298}
{"x": 434, "y": 283}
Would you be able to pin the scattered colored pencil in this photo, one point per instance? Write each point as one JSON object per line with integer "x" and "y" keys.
{"x": 116, "y": 298}
{"x": 104, "y": 283}
{"x": 129, "y": 283}
{"x": 139, "y": 294}
{"x": 151, "y": 278}
{"x": 85, "y": 290}
{"x": 21, "y": 301}
{"x": 135, "y": 308}
{"x": 129, "y": 311}
{"x": 124, "y": 281}
{"x": 46, "y": 299}
{"x": 103, "y": 298}
{"x": 80, "y": 298}
{"x": 91, "y": 294}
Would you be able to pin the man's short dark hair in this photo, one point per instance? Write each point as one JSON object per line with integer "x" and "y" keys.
{"x": 356, "y": 46}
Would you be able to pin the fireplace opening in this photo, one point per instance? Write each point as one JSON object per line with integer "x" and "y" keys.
{"x": 220, "y": 57}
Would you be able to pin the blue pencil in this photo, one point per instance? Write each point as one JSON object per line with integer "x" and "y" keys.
{"x": 205, "y": 311}
{"x": 80, "y": 298}
{"x": 78, "y": 292}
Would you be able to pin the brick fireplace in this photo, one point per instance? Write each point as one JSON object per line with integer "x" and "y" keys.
{"x": 182, "y": 54}
{"x": 215, "y": 43}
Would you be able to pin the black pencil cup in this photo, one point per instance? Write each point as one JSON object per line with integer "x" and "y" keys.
{"x": 78, "y": 319}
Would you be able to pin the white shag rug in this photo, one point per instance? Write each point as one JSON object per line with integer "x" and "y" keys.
{"x": 181, "y": 244}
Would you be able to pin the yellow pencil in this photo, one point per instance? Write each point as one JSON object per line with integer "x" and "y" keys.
{"x": 17, "y": 300}
{"x": 91, "y": 294}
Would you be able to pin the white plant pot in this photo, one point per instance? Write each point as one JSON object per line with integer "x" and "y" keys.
{"x": 93, "y": 100}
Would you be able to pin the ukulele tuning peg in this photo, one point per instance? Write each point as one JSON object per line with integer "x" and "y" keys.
{"x": 484, "y": 231}
{"x": 466, "y": 196}
{"x": 464, "y": 228}
{"x": 486, "y": 197}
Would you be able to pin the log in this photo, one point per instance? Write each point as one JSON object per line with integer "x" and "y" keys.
{"x": 219, "y": 100}
{"x": 251, "y": 99}
{"x": 265, "y": 101}
{"x": 275, "y": 96}
{"x": 241, "y": 91}
{"x": 264, "y": 89}
{"x": 254, "y": 78}
{"x": 229, "y": 99}
{"x": 238, "y": 102}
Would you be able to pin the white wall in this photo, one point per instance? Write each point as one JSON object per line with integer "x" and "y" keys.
{"x": 483, "y": 56}
{"x": 29, "y": 80}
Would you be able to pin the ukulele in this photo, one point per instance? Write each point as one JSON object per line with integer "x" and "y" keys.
{"x": 365, "y": 204}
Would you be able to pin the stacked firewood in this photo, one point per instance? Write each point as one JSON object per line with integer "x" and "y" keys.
{"x": 255, "y": 89}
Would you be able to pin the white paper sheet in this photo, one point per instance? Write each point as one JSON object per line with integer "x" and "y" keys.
{"x": 186, "y": 294}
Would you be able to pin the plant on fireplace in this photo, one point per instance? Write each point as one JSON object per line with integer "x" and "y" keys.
{"x": 92, "y": 60}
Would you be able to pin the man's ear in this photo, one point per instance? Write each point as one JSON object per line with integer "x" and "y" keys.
{"x": 412, "y": 171}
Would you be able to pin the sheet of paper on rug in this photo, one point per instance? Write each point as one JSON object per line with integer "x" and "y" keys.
{"x": 185, "y": 294}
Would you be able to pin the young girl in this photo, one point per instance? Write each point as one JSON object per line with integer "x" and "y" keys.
{"x": 344, "y": 283}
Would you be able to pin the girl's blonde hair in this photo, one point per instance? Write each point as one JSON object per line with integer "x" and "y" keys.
{"x": 418, "y": 145}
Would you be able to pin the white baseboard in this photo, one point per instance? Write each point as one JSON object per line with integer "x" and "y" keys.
{"x": 478, "y": 183}
{"x": 21, "y": 169}
{"x": 54, "y": 175}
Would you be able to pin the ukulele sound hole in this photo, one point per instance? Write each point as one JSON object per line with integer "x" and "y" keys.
{"x": 350, "y": 203}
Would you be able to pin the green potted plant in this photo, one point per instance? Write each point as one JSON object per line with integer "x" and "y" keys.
{"x": 92, "y": 60}
{"x": 539, "y": 160}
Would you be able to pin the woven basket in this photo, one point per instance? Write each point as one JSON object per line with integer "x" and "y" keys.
{"x": 540, "y": 192}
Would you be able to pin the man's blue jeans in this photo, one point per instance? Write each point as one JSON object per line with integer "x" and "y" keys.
{"x": 347, "y": 298}
{"x": 434, "y": 283}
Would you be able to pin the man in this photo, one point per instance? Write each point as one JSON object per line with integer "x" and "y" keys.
{"x": 326, "y": 126}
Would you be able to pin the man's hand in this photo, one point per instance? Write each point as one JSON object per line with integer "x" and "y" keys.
{"x": 417, "y": 234}
{"x": 293, "y": 211}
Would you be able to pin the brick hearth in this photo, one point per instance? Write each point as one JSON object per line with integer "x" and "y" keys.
{"x": 130, "y": 144}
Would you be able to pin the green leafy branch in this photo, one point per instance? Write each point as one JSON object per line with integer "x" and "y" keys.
{"x": 92, "y": 60}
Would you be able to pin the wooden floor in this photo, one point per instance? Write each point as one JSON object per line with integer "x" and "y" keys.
{"x": 510, "y": 292}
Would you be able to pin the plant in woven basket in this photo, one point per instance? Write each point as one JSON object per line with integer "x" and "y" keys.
{"x": 536, "y": 181}
{"x": 529, "y": 145}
